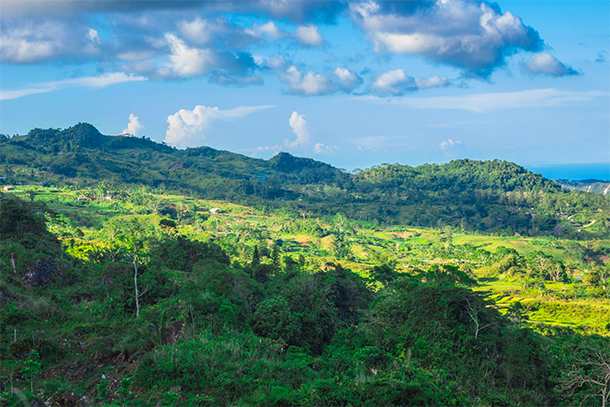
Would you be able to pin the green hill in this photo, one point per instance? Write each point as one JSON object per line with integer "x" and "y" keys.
{"x": 488, "y": 196}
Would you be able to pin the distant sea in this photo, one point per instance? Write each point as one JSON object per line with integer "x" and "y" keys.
{"x": 599, "y": 171}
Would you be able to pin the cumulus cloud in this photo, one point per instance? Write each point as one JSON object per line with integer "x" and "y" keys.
{"x": 471, "y": 35}
{"x": 186, "y": 127}
{"x": 397, "y": 82}
{"x": 432, "y": 82}
{"x": 186, "y": 61}
{"x": 134, "y": 127}
{"x": 197, "y": 31}
{"x": 348, "y": 80}
{"x": 447, "y": 144}
{"x": 308, "y": 36}
{"x": 320, "y": 148}
{"x": 27, "y": 42}
{"x": 141, "y": 37}
{"x": 87, "y": 82}
{"x": 394, "y": 83}
{"x": 543, "y": 63}
{"x": 309, "y": 84}
{"x": 298, "y": 124}
{"x": 268, "y": 31}
{"x": 487, "y": 102}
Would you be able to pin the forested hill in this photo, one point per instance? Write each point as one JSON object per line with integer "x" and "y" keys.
{"x": 491, "y": 196}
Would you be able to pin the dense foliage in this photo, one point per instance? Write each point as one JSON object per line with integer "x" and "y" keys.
{"x": 239, "y": 319}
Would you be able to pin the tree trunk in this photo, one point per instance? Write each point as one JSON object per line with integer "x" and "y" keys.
{"x": 135, "y": 282}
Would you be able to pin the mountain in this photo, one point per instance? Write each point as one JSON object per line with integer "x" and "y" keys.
{"x": 491, "y": 196}
{"x": 586, "y": 185}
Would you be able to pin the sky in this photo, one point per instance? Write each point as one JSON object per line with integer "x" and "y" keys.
{"x": 351, "y": 83}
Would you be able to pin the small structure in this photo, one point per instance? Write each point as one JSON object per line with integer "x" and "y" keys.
{"x": 215, "y": 210}
{"x": 81, "y": 198}
{"x": 8, "y": 188}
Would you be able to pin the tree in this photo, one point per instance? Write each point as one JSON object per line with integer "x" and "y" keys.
{"x": 384, "y": 273}
{"x": 557, "y": 271}
{"x": 275, "y": 254}
{"x": 32, "y": 368}
{"x": 256, "y": 260}
{"x": 589, "y": 373}
{"x": 133, "y": 244}
{"x": 274, "y": 319}
{"x": 474, "y": 312}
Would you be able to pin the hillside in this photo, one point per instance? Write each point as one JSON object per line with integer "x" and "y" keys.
{"x": 586, "y": 185}
{"x": 246, "y": 306}
{"x": 488, "y": 196}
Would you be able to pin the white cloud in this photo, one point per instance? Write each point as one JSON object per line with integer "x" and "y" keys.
{"x": 546, "y": 64}
{"x": 447, "y": 144}
{"x": 186, "y": 127}
{"x": 472, "y": 35}
{"x": 348, "y": 80}
{"x": 299, "y": 126}
{"x": 134, "y": 127}
{"x": 397, "y": 82}
{"x": 174, "y": 58}
{"x": 87, "y": 82}
{"x": 432, "y": 82}
{"x": 269, "y": 30}
{"x": 320, "y": 148}
{"x": 276, "y": 62}
{"x": 273, "y": 62}
{"x": 394, "y": 83}
{"x": 94, "y": 36}
{"x": 308, "y": 36}
{"x": 186, "y": 61}
{"x": 198, "y": 31}
{"x": 26, "y": 41}
{"x": 486, "y": 102}
{"x": 309, "y": 84}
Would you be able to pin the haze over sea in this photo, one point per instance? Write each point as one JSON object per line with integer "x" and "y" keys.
{"x": 598, "y": 171}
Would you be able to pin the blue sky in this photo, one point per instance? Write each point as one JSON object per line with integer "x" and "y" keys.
{"x": 350, "y": 83}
